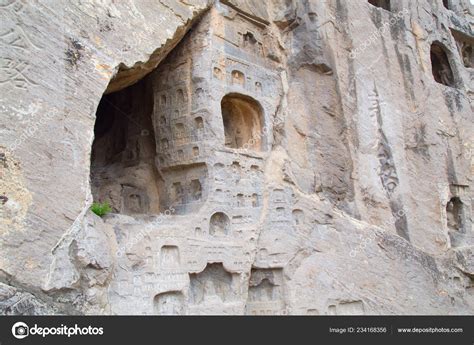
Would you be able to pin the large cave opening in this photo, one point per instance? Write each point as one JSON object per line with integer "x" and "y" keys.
{"x": 147, "y": 152}
{"x": 123, "y": 172}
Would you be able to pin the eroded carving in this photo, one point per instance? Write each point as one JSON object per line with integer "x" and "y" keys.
{"x": 169, "y": 303}
{"x": 266, "y": 293}
{"x": 219, "y": 224}
{"x": 213, "y": 285}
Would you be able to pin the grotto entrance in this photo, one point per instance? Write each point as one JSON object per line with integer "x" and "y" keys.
{"x": 440, "y": 66}
{"x": 243, "y": 118}
{"x": 122, "y": 159}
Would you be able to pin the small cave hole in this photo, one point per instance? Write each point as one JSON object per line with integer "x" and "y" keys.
{"x": 454, "y": 214}
{"x": 250, "y": 38}
{"x": 440, "y": 66}
{"x": 384, "y": 4}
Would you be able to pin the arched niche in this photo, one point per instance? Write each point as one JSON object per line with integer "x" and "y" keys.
{"x": 243, "y": 122}
{"x": 440, "y": 66}
{"x": 219, "y": 224}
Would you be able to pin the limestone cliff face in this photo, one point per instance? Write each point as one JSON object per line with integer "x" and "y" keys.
{"x": 260, "y": 157}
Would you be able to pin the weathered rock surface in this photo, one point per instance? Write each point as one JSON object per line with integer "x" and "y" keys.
{"x": 16, "y": 302}
{"x": 260, "y": 157}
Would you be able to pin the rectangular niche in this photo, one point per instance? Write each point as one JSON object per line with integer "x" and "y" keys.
{"x": 214, "y": 285}
{"x": 184, "y": 188}
{"x": 266, "y": 292}
{"x": 169, "y": 303}
{"x": 457, "y": 215}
